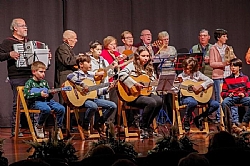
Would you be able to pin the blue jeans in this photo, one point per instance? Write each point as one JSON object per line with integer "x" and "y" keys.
{"x": 229, "y": 101}
{"x": 217, "y": 91}
{"x": 108, "y": 108}
{"x": 46, "y": 107}
{"x": 192, "y": 104}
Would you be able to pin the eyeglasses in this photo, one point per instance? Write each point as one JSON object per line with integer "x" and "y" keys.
{"x": 22, "y": 26}
{"x": 203, "y": 35}
{"x": 128, "y": 38}
{"x": 146, "y": 35}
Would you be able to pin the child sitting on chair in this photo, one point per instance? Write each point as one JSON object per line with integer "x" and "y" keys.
{"x": 42, "y": 99}
{"x": 235, "y": 89}
{"x": 77, "y": 77}
{"x": 190, "y": 72}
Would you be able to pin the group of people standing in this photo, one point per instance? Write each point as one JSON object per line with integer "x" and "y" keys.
{"x": 122, "y": 67}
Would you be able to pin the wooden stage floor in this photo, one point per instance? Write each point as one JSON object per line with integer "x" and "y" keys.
{"x": 18, "y": 151}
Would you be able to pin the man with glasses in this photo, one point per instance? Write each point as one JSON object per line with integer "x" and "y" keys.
{"x": 16, "y": 76}
{"x": 65, "y": 59}
{"x": 146, "y": 39}
{"x": 203, "y": 47}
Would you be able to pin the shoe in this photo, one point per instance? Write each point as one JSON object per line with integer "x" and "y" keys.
{"x": 59, "y": 134}
{"x": 144, "y": 134}
{"x": 20, "y": 134}
{"x": 99, "y": 128}
{"x": 151, "y": 132}
{"x": 186, "y": 125}
{"x": 39, "y": 131}
{"x": 198, "y": 122}
{"x": 86, "y": 133}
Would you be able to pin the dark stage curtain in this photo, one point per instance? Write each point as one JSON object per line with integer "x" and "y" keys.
{"x": 96, "y": 19}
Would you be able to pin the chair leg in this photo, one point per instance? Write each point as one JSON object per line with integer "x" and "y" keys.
{"x": 181, "y": 131}
{"x": 76, "y": 110}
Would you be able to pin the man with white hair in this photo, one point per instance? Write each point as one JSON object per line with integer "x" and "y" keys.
{"x": 16, "y": 76}
{"x": 65, "y": 59}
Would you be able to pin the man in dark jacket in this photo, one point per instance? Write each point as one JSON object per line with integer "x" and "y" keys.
{"x": 65, "y": 59}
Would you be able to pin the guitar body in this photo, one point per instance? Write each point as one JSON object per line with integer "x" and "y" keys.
{"x": 98, "y": 79}
{"x": 202, "y": 97}
{"x": 130, "y": 94}
{"x": 76, "y": 97}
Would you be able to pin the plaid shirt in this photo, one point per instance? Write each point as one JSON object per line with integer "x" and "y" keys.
{"x": 78, "y": 76}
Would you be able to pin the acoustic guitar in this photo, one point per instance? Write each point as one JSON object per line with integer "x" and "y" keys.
{"x": 76, "y": 96}
{"x": 99, "y": 79}
{"x": 130, "y": 94}
{"x": 186, "y": 89}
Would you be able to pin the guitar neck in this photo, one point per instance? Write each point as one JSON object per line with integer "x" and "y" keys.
{"x": 95, "y": 87}
{"x": 54, "y": 90}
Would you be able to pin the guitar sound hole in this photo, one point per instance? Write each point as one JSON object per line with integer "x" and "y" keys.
{"x": 190, "y": 88}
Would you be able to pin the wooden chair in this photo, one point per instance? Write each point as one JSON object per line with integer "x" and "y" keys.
{"x": 121, "y": 113}
{"x": 76, "y": 111}
{"x": 21, "y": 101}
{"x": 177, "y": 119}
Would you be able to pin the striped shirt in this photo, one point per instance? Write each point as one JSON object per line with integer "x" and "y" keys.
{"x": 78, "y": 76}
{"x": 235, "y": 85}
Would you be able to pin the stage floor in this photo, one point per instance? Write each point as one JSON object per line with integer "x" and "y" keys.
{"x": 16, "y": 151}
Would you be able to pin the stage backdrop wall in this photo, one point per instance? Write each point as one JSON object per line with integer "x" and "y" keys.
{"x": 96, "y": 19}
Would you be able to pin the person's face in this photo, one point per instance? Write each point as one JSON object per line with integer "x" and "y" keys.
{"x": 96, "y": 52}
{"x": 72, "y": 40}
{"x": 144, "y": 57}
{"x": 85, "y": 66}
{"x": 187, "y": 70}
{"x": 235, "y": 69}
{"x": 39, "y": 74}
{"x": 146, "y": 37}
{"x": 21, "y": 28}
{"x": 165, "y": 40}
{"x": 112, "y": 45}
{"x": 204, "y": 38}
{"x": 128, "y": 39}
{"x": 223, "y": 39}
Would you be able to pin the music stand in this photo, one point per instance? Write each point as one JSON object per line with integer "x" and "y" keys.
{"x": 165, "y": 85}
{"x": 182, "y": 56}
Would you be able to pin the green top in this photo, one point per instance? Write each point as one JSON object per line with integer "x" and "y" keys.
{"x": 36, "y": 96}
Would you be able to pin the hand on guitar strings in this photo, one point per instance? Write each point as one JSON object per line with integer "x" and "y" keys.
{"x": 138, "y": 86}
{"x": 85, "y": 89}
{"x": 197, "y": 89}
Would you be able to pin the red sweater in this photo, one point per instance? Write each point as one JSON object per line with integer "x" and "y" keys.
{"x": 106, "y": 55}
{"x": 236, "y": 85}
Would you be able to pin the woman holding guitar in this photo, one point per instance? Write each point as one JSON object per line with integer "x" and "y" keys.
{"x": 151, "y": 104}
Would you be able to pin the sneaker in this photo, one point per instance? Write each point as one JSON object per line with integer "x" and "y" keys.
{"x": 186, "y": 125}
{"x": 198, "y": 123}
{"x": 144, "y": 134}
{"x": 39, "y": 131}
{"x": 20, "y": 134}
